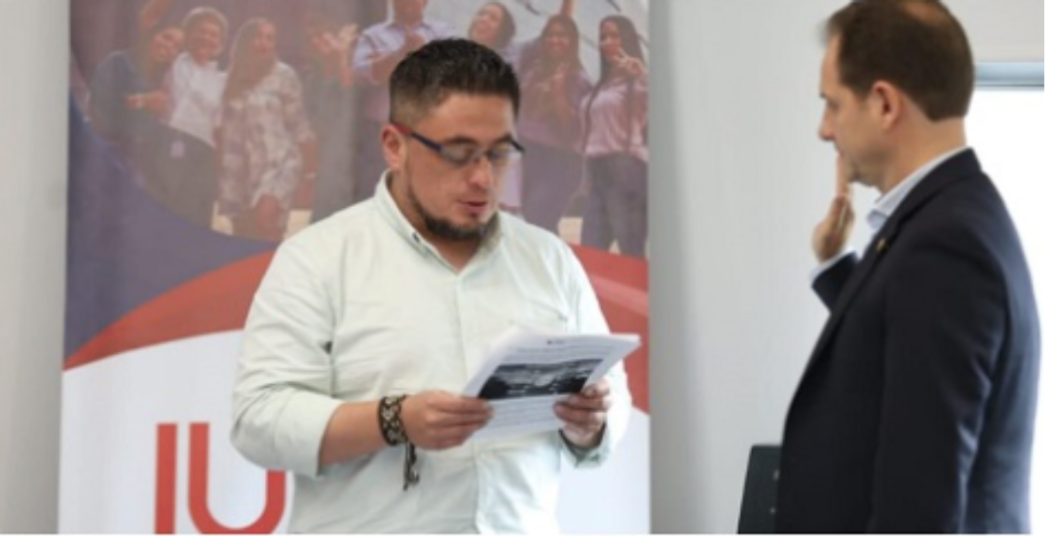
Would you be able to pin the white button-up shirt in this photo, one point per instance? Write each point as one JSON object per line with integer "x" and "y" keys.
{"x": 196, "y": 97}
{"x": 361, "y": 306}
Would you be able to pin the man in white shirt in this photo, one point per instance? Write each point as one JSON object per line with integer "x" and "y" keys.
{"x": 916, "y": 410}
{"x": 368, "y": 323}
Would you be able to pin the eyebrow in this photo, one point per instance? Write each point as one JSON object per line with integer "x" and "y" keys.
{"x": 462, "y": 140}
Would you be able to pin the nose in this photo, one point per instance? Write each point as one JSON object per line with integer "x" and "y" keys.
{"x": 825, "y": 131}
{"x": 481, "y": 172}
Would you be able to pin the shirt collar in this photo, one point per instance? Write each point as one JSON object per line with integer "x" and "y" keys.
{"x": 886, "y": 205}
{"x": 392, "y": 214}
{"x": 422, "y": 25}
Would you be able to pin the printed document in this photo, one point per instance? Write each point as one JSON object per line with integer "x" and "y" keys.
{"x": 526, "y": 372}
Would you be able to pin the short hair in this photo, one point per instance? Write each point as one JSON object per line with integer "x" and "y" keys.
{"x": 201, "y": 14}
{"x": 917, "y": 45}
{"x": 431, "y": 74}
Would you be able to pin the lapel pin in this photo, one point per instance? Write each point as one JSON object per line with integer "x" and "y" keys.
{"x": 881, "y": 246}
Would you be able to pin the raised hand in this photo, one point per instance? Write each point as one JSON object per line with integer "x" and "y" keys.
{"x": 345, "y": 41}
{"x": 632, "y": 67}
{"x": 832, "y": 234}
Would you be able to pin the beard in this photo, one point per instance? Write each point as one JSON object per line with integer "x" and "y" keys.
{"x": 442, "y": 227}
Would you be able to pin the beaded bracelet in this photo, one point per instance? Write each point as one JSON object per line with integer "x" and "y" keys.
{"x": 389, "y": 418}
{"x": 394, "y": 433}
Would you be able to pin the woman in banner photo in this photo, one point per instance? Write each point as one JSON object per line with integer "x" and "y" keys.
{"x": 615, "y": 143}
{"x": 553, "y": 85}
{"x": 188, "y": 177}
{"x": 126, "y": 104}
{"x": 265, "y": 139}
{"x": 494, "y": 27}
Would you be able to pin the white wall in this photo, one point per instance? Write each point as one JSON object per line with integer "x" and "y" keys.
{"x": 738, "y": 180}
{"x": 33, "y": 112}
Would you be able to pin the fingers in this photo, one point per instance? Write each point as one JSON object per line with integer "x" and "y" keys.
{"x": 577, "y": 408}
{"x": 586, "y": 411}
{"x": 452, "y": 404}
{"x": 348, "y": 32}
{"x": 843, "y": 177}
{"x": 440, "y": 420}
{"x": 449, "y": 437}
{"x": 581, "y": 422}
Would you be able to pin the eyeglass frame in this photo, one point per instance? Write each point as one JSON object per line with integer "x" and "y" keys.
{"x": 441, "y": 149}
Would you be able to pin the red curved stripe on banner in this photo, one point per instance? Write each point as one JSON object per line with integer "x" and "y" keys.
{"x": 212, "y": 303}
{"x": 219, "y": 302}
{"x": 622, "y": 288}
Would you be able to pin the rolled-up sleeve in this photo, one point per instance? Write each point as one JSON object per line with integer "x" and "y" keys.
{"x": 282, "y": 400}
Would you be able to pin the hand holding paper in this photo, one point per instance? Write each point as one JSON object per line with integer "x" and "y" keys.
{"x": 584, "y": 414}
{"x": 526, "y": 373}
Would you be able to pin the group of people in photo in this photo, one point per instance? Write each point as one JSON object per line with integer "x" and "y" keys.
{"x": 226, "y": 133}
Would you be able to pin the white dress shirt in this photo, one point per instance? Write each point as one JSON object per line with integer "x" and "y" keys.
{"x": 886, "y": 205}
{"x": 196, "y": 97}
{"x": 360, "y": 306}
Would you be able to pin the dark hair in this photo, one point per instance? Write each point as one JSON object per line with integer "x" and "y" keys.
{"x": 916, "y": 45}
{"x": 629, "y": 43}
{"x": 429, "y": 75}
{"x": 507, "y": 30}
{"x": 574, "y": 53}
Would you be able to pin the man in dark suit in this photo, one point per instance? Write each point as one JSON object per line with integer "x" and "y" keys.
{"x": 916, "y": 410}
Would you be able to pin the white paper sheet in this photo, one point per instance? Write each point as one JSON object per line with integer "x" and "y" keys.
{"x": 526, "y": 372}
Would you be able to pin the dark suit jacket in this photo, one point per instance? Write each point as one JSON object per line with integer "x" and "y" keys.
{"x": 916, "y": 410}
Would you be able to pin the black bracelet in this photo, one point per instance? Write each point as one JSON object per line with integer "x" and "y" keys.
{"x": 389, "y": 420}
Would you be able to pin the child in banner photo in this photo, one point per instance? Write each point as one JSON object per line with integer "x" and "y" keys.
{"x": 188, "y": 177}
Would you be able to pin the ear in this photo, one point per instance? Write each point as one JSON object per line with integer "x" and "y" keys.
{"x": 394, "y": 148}
{"x": 888, "y": 102}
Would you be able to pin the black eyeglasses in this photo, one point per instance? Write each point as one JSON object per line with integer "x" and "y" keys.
{"x": 461, "y": 155}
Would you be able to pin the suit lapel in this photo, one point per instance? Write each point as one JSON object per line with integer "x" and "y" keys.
{"x": 960, "y": 166}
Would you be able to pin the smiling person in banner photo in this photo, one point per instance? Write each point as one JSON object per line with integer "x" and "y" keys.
{"x": 916, "y": 410}
{"x": 368, "y": 322}
{"x": 493, "y": 26}
{"x": 615, "y": 148}
{"x": 266, "y": 145}
{"x": 188, "y": 179}
{"x": 554, "y": 84}
{"x": 127, "y": 106}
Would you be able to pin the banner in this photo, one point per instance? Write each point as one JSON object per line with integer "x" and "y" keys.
{"x": 167, "y": 243}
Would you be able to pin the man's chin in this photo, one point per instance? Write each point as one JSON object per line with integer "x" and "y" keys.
{"x": 456, "y": 231}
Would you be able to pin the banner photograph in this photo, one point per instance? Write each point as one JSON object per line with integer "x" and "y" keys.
{"x": 205, "y": 133}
